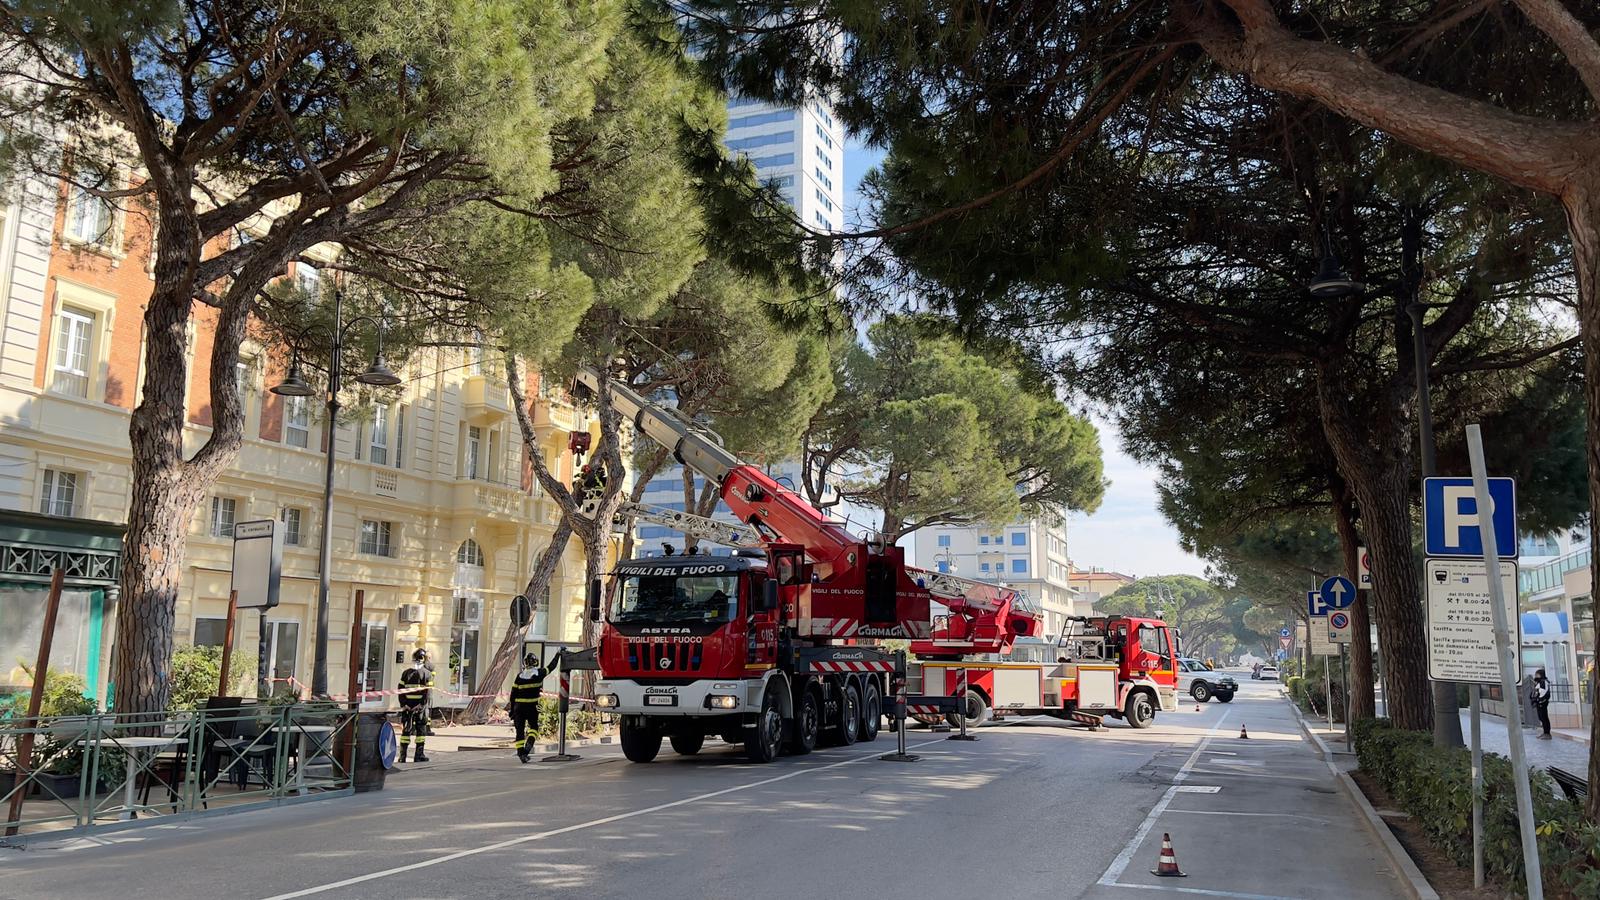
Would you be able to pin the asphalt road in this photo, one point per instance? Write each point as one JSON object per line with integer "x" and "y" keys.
{"x": 1032, "y": 809}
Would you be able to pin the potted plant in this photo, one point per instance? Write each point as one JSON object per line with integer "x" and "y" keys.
{"x": 57, "y": 756}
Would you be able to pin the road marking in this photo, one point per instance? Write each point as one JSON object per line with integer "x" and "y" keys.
{"x": 1199, "y": 789}
{"x": 1265, "y": 815}
{"x": 528, "y": 838}
{"x": 1202, "y": 891}
{"x": 1120, "y": 864}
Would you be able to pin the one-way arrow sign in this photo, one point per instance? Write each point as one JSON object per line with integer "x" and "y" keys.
{"x": 1338, "y": 592}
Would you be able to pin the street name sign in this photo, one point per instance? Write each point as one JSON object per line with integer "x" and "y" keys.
{"x": 257, "y": 563}
{"x": 1451, "y": 520}
{"x": 1338, "y": 592}
{"x": 1460, "y": 622}
{"x": 1339, "y": 626}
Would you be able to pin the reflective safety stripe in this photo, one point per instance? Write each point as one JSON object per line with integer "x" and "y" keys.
{"x": 536, "y": 699}
{"x": 405, "y": 739}
{"x": 518, "y": 744}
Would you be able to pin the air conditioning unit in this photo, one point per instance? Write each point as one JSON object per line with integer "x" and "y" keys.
{"x": 410, "y": 613}
{"x": 469, "y": 611}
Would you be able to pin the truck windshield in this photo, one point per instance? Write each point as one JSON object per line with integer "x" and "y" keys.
{"x": 667, "y": 598}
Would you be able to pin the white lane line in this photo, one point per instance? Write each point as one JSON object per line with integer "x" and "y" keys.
{"x": 1120, "y": 864}
{"x": 490, "y": 848}
{"x": 1263, "y": 815}
{"x": 1202, "y": 891}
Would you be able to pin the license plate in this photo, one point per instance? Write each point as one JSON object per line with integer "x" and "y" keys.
{"x": 660, "y": 700}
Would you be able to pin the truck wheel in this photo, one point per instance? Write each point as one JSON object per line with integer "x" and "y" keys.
{"x": 640, "y": 743}
{"x": 1201, "y": 692}
{"x": 850, "y": 716}
{"x": 1140, "y": 712}
{"x": 807, "y": 723}
{"x": 688, "y": 744}
{"x": 871, "y": 713}
{"x": 1224, "y": 696}
{"x": 761, "y": 739}
{"x": 976, "y": 709}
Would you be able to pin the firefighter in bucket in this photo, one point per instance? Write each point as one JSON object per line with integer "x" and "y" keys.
{"x": 415, "y": 684}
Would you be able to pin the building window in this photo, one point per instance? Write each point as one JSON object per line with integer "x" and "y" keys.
{"x": 375, "y": 537}
{"x": 74, "y": 335}
{"x": 222, "y": 516}
{"x": 768, "y": 162}
{"x": 60, "y": 494}
{"x": 290, "y": 517}
{"x": 781, "y": 181}
{"x": 210, "y": 631}
{"x": 821, "y": 221}
{"x": 90, "y": 218}
{"x": 821, "y": 198}
{"x": 766, "y": 118}
{"x": 296, "y": 422}
{"x": 983, "y": 567}
{"x": 826, "y": 181}
{"x": 470, "y": 554}
{"x": 474, "y": 451}
{"x": 378, "y": 448}
{"x": 827, "y": 162}
{"x": 1019, "y": 539}
{"x": 944, "y": 540}
{"x": 983, "y": 539}
{"x": 824, "y": 137}
{"x": 1019, "y": 567}
{"x": 308, "y": 278}
{"x": 761, "y": 140}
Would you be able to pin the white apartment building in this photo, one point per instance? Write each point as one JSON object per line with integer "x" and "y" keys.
{"x": 1030, "y": 556}
{"x": 798, "y": 151}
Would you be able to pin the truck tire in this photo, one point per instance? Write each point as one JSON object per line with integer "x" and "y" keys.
{"x": 1139, "y": 712}
{"x": 850, "y": 716}
{"x": 976, "y": 709}
{"x": 1201, "y": 692}
{"x": 1224, "y": 696}
{"x": 807, "y": 723}
{"x": 762, "y": 739}
{"x": 871, "y": 712}
{"x": 688, "y": 744}
{"x": 640, "y": 743}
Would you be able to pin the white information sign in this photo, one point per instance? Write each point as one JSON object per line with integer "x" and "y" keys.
{"x": 1321, "y": 643}
{"x": 257, "y": 561}
{"x": 1460, "y": 622}
{"x": 1339, "y": 626}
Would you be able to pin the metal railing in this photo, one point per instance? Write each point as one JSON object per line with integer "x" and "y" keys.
{"x": 97, "y": 771}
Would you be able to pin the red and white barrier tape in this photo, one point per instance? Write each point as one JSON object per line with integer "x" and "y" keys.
{"x": 368, "y": 695}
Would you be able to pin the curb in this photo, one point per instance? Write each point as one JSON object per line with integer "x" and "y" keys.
{"x": 551, "y": 747}
{"x": 1415, "y": 883}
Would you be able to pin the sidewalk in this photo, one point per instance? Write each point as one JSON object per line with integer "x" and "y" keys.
{"x": 1568, "y": 749}
{"x": 455, "y": 738}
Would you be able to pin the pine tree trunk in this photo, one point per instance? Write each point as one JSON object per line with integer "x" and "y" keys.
{"x": 1362, "y": 702}
{"x": 505, "y": 655}
{"x": 1380, "y": 480}
{"x": 1583, "y": 222}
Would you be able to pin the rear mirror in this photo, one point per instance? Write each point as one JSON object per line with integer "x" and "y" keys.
{"x": 769, "y": 595}
{"x": 594, "y": 600}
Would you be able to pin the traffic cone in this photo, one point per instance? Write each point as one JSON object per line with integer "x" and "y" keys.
{"x": 1243, "y": 734}
{"x": 1167, "y": 863}
{"x": 1197, "y": 707}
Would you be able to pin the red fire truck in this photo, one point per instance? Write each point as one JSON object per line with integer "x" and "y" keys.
{"x": 756, "y": 648}
{"x": 1118, "y": 666}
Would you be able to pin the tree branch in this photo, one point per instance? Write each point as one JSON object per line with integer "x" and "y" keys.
{"x": 1569, "y": 35}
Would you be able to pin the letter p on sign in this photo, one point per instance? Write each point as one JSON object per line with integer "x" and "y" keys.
{"x": 1453, "y": 523}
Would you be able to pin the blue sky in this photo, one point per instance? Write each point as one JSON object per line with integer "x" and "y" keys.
{"x": 1127, "y": 534}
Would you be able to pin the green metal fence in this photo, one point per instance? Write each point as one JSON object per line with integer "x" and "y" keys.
{"x": 99, "y": 771}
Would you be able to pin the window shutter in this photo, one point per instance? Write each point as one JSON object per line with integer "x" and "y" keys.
{"x": 359, "y": 437}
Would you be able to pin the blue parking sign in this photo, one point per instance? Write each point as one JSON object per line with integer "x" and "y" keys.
{"x": 1450, "y": 519}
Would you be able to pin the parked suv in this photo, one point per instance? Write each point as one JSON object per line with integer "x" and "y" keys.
{"x": 1202, "y": 683}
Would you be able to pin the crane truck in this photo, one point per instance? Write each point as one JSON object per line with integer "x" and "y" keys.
{"x": 762, "y": 648}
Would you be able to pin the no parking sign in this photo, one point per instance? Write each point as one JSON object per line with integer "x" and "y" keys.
{"x": 1339, "y": 626}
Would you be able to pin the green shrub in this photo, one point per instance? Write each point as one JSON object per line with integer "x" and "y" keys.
{"x": 195, "y": 671}
{"x": 1434, "y": 785}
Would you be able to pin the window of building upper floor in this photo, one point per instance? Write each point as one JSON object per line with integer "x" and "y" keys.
{"x": 375, "y": 537}
{"x": 58, "y": 495}
{"x": 73, "y": 355}
{"x": 91, "y": 219}
{"x": 1019, "y": 539}
{"x": 292, "y": 517}
{"x": 223, "y": 517}
{"x": 1019, "y": 567}
{"x": 944, "y": 540}
{"x": 296, "y": 422}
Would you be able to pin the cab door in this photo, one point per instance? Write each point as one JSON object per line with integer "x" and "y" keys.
{"x": 1160, "y": 662}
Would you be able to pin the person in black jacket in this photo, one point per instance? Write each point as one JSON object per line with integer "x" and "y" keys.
{"x": 524, "y": 705}
{"x": 416, "y": 683}
{"x": 1541, "y": 702}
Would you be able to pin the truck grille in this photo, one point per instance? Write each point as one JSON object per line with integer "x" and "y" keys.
{"x": 664, "y": 657}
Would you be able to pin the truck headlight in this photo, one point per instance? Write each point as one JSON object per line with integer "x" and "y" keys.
{"x": 606, "y": 701}
{"x": 722, "y": 701}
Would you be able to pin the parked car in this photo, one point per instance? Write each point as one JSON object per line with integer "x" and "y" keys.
{"x": 1201, "y": 682}
{"x": 1269, "y": 673}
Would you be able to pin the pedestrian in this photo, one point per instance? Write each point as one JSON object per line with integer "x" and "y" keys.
{"x": 524, "y": 705}
{"x": 1541, "y": 702}
{"x": 416, "y": 683}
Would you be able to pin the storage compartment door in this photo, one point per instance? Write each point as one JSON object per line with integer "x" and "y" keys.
{"x": 1097, "y": 687}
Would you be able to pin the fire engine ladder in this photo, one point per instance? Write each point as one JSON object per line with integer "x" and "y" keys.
{"x": 730, "y": 534}
{"x": 968, "y": 594}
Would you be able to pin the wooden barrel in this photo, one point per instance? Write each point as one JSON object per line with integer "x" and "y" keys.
{"x": 373, "y": 733}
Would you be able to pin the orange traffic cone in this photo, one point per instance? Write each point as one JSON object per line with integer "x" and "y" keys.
{"x": 1243, "y": 734}
{"x": 1167, "y": 863}
{"x": 1197, "y": 706}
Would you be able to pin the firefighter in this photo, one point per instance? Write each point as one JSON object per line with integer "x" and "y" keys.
{"x": 415, "y": 684}
{"x": 524, "y": 705}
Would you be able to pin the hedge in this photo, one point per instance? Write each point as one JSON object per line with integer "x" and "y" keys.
{"x": 1434, "y": 785}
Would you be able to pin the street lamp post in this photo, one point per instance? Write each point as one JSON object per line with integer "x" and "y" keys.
{"x": 377, "y": 375}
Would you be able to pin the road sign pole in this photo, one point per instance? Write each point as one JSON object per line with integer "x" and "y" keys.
{"x": 1327, "y": 689}
{"x": 1344, "y": 677}
{"x": 1476, "y": 702}
{"x": 1506, "y": 655}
